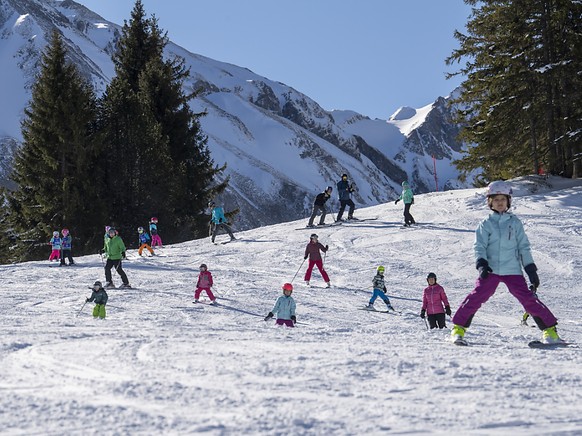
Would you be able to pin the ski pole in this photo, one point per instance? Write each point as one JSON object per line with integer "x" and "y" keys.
{"x": 82, "y": 307}
{"x": 426, "y": 324}
{"x": 298, "y": 271}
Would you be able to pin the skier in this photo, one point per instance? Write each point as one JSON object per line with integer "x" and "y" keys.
{"x": 99, "y": 296}
{"x": 204, "y": 283}
{"x": 408, "y": 197}
{"x": 344, "y": 191}
{"x": 319, "y": 205}
{"x": 156, "y": 239}
{"x": 56, "y": 246}
{"x": 284, "y": 308}
{"x": 501, "y": 249}
{"x": 114, "y": 250}
{"x": 313, "y": 251}
{"x": 379, "y": 290}
{"x": 144, "y": 238}
{"x": 218, "y": 221}
{"x": 433, "y": 300}
{"x": 67, "y": 243}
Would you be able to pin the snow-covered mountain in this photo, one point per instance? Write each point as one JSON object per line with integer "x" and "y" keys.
{"x": 281, "y": 147}
{"x": 160, "y": 365}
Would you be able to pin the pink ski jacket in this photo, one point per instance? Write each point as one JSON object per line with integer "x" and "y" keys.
{"x": 204, "y": 280}
{"x": 434, "y": 299}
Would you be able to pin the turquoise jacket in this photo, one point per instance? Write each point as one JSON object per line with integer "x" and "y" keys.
{"x": 284, "y": 307}
{"x": 218, "y": 215}
{"x": 114, "y": 247}
{"x": 407, "y": 196}
{"x": 501, "y": 240}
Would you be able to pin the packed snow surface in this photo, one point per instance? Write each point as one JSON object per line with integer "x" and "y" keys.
{"x": 159, "y": 364}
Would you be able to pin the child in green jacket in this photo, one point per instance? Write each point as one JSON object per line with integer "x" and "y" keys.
{"x": 99, "y": 296}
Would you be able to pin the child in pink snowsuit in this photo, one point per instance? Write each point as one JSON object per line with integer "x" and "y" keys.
{"x": 156, "y": 240}
{"x": 204, "y": 283}
{"x": 56, "y": 244}
{"x": 313, "y": 252}
{"x": 433, "y": 300}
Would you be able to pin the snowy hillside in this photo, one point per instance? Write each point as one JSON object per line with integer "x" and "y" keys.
{"x": 281, "y": 147}
{"x": 160, "y": 365}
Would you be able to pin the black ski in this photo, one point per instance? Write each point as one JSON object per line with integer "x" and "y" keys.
{"x": 540, "y": 344}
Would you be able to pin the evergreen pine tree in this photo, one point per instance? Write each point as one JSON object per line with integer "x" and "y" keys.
{"x": 53, "y": 169}
{"x": 157, "y": 159}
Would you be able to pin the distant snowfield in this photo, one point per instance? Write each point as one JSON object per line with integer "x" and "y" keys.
{"x": 160, "y": 365}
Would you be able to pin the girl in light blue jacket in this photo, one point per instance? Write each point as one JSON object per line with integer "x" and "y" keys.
{"x": 284, "y": 308}
{"x": 501, "y": 250}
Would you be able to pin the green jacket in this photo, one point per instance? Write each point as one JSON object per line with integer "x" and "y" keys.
{"x": 114, "y": 247}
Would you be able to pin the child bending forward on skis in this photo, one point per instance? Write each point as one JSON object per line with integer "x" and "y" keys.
{"x": 99, "y": 296}
{"x": 204, "y": 284}
{"x": 379, "y": 290}
{"x": 284, "y": 308}
{"x": 433, "y": 300}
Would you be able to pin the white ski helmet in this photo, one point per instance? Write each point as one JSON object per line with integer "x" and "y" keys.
{"x": 55, "y": 233}
{"x": 499, "y": 187}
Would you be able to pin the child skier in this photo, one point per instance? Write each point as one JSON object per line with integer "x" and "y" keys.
{"x": 56, "y": 246}
{"x": 156, "y": 239}
{"x": 67, "y": 243}
{"x": 501, "y": 250}
{"x": 319, "y": 205}
{"x": 144, "y": 238}
{"x": 218, "y": 221}
{"x": 408, "y": 198}
{"x": 313, "y": 251}
{"x": 284, "y": 308}
{"x": 99, "y": 296}
{"x": 433, "y": 300}
{"x": 204, "y": 283}
{"x": 379, "y": 290}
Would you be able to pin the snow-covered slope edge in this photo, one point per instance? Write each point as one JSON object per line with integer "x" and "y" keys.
{"x": 159, "y": 364}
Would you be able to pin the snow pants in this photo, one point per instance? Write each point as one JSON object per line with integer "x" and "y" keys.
{"x": 485, "y": 288}
{"x": 378, "y": 293}
{"x": 66, "y": 254}
{"x": 319, "y": 264}
{"x": 286, "y": 322}
{"x": 142, "y": 246}
{"x": 408, "y": 218}
{"x": 55, "y": 255}
{"x": 156, "y": 241}
{"x": 436, "y": 320}
{"x": 316, "y": 209}
{"x": 99, "y": 311}
{"x": 343, "y": 204}
{"x": 221, "y": 226}
{"x": 117, "y": 264}
{"x": 208, "y": 291}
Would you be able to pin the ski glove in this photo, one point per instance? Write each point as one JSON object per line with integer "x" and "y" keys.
{"x": 484, "y": 269}
{"x": 269, "y": 316}
{"x": 123, "y": 254}
{"x": 305, "y": 258}
{"x": 448, "y": 310}
{"x": 396, "y": 202}
{"x": 327, "y": 247}
{"x": 422, "y": 313}
{"x": 533, "y": 275}
{"x": 294, "y": 319}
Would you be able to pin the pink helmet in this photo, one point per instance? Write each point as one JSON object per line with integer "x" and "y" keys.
{"x": 65, "y": 231}
{"x": 287, "y": 287}
{"x": 153, "y": 219}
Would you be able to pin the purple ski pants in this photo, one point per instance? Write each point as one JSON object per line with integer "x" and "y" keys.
{"x": 485, "y": 288}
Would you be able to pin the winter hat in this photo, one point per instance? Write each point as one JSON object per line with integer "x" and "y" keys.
{"x": 431, "y": 275}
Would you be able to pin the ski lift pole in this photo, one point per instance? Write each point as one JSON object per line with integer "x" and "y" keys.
{"x": 298, "y": 270}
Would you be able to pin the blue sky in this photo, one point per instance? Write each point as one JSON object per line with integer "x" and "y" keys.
{"x": 371, "y": 56}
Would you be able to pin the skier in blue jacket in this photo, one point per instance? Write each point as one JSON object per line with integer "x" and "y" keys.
{"x": 218, "y": 221}
{"x": 501, "y": 250}
{"x": 284, "y": 308}
{"x": 344, "y": 191}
